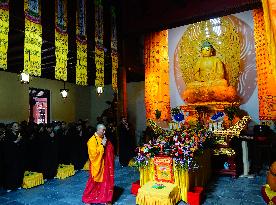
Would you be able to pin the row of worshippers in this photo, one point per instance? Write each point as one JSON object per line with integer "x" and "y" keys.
{"x": 40, "y": 148}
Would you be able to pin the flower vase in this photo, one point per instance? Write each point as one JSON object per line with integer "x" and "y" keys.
{"x": 210, "y": 127}
{"x": 215, "y": 126}
{"x": 219, "y": 125}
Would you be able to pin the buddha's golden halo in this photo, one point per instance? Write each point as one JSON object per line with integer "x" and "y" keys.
{"x": 221, "y": 33}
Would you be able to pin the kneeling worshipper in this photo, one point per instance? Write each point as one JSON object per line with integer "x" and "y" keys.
{"x": 100, "y": 184}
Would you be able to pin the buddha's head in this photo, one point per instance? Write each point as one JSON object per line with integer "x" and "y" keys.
{"x": 207, "y": 49}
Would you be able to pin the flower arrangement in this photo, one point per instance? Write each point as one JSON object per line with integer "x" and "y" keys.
{"x": 183, "y": 146}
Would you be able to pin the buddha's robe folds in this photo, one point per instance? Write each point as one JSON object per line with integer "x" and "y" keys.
{"x": 209, "y": 72}
{"x": 100, "y": 184}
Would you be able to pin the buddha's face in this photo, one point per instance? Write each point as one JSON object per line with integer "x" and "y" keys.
{"x": 206, "y": 51}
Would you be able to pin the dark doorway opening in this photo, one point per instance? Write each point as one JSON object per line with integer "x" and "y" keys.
{"x": 39, "y": 105}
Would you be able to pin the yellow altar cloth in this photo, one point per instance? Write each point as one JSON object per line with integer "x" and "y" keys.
{"x": 32, "y": 179}
{"x": 65, "y": 171}
{"x": 147, "y": 195}
{"x": 184, "y": 179}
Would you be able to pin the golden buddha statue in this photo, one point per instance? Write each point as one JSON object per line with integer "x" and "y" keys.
{"x": 209, "y": 81}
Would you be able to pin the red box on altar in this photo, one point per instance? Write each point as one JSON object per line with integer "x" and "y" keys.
{"x": 135, "y": 186}
{"x": 194, "y": 196}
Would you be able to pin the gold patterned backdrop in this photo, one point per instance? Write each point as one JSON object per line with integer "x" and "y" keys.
{"x": 266, "y": 80}
{"x": 233, "y": 41}
{"x": 157, "y": 91}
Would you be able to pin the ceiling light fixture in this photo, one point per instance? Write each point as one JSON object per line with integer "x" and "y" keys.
{"x": 24, "y": 78}
{"x": 99, "y": 90}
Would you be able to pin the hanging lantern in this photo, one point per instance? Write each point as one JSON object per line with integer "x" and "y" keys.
{"x": 24, "y": 78}
{"x": 99, "y": 90}
{"x": 64, "y": 91}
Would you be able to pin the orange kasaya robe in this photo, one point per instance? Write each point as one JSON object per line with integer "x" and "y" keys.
{"x": 100, "y": 184}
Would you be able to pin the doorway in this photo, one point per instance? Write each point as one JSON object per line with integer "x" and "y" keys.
{"x": 39, "y": 105}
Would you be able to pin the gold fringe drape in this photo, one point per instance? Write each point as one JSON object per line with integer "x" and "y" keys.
{"x": 264, "y": 63}
{"x": 4, "y": 32}
{"x": 157, "y": 91}
{"x": 61, "y": 40}
{"x": 81, "y": 68}
{"x": 99, "y": 47}
{"x": 33, "y": 38}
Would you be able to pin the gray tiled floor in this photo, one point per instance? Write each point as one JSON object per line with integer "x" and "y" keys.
{"x": 222, "y": 190}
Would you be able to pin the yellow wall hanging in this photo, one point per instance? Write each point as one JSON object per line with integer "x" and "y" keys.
{"x": 114, "y": 50}
{"x": 4, "y": 31}
{"x": 99, "y": 47}
{"x": 33, "y": 37}
{"x": 157, "y": 90}
{"x": 81, "y": 68}
{"x": 61, "y": 40}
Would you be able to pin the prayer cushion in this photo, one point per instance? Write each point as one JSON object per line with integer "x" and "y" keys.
{"x": 32, "y": 179}
{"x": 65, "y": 171}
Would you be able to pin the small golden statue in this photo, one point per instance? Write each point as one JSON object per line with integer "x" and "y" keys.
{"x": 210, "y": 84}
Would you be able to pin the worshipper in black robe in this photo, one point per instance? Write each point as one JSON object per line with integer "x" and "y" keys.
{"x": 2, "y": 138}
{"x": 78, "y": 147}
{"x": 63, "y": 144}
{"x": 124, "y": 143}
{"x": 13, "y": 158}
{"x": 32, "y": 147}
{"x": 86, "y": 134}
{"x": 49, "y": 153}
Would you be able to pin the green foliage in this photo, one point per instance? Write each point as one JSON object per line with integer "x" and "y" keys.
{"x": 231, "y": 112}
{"x": 175, "y": 111}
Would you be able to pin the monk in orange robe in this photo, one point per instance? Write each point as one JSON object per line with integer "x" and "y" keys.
{"x": 100, "y": 184}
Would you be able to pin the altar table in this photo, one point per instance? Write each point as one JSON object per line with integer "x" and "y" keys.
{"x": 184, "y": 179}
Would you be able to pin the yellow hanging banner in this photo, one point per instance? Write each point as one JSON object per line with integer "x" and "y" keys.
{"x": 61, "y": 41}
{"x": 33, "y": 38}
{"x": 81, "y": 67}
{"x": 114, "y": 50}
{"x": 99, "y": 47}
{"x": 4, "y": 31}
